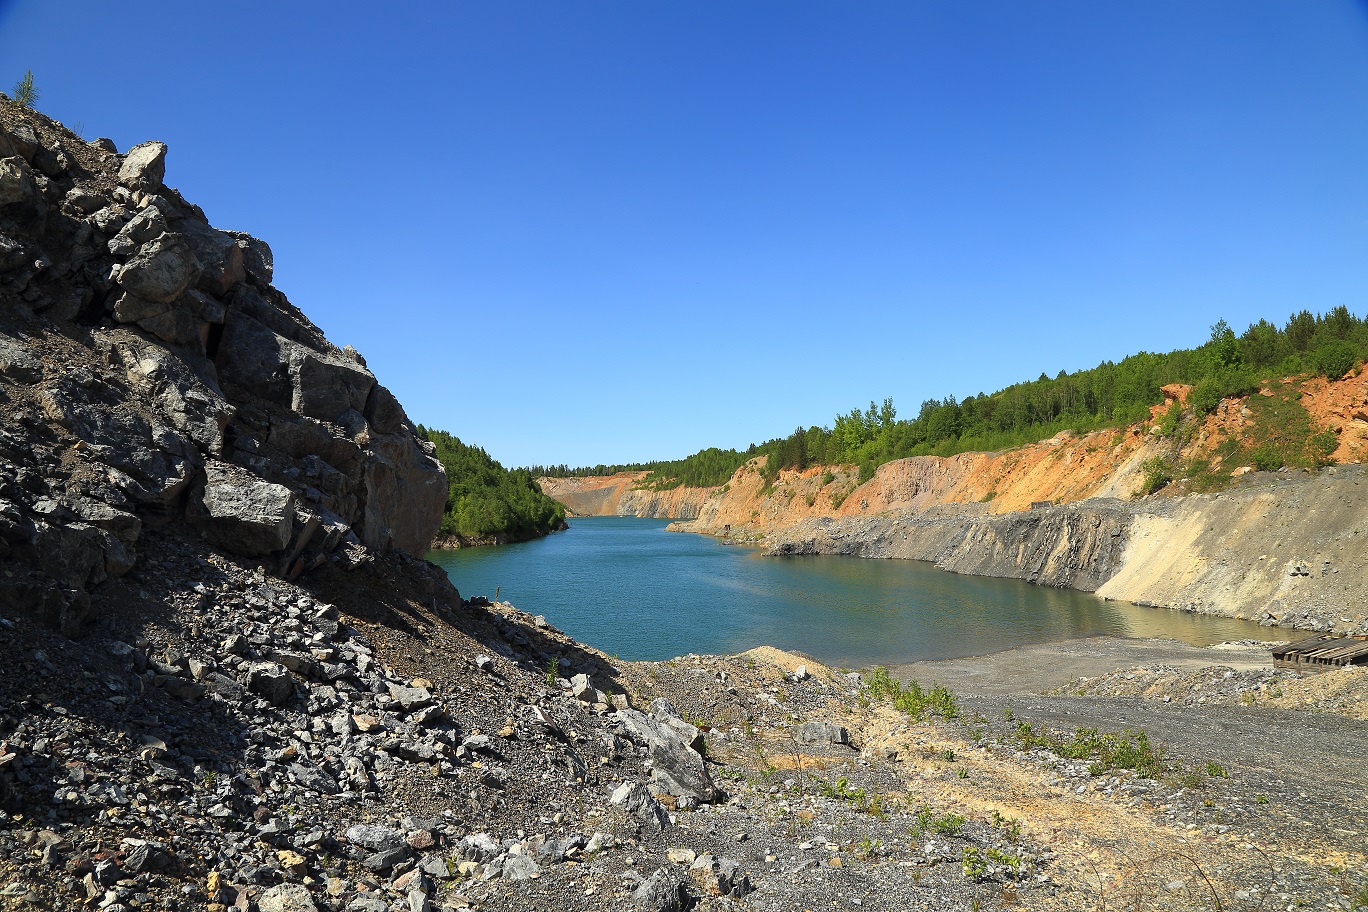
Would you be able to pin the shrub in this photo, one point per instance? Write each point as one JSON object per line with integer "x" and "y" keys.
{"x": 1335, "y": 359}
{"x": 1156, "y": 475}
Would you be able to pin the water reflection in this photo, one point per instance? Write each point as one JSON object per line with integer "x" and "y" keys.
{"x": 628, "y": 587}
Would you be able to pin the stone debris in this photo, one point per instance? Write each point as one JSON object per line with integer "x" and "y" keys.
{"x": 231, "y": 686}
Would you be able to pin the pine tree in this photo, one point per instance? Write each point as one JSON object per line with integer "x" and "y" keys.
{"x": 25, "y": 92}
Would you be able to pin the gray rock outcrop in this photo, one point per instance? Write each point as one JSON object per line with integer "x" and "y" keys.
{"x": 151, "y": 373}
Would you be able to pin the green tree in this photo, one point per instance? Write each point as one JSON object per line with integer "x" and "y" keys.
{"x": 25, "y": 92}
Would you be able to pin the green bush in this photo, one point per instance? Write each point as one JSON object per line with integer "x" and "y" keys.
{"x": 1335, "y": 359}
{"x": 1156, "y": 474}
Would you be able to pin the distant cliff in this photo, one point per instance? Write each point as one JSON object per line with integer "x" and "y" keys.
{"x": 618, "y": 495}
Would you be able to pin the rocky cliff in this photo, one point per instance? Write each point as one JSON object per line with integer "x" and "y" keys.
{"x": 151, "y": 374}
{"x": 620, "y": 495}
{"x": 1285, "y": 549}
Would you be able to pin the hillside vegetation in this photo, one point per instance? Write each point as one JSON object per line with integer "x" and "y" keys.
{"x": 1112, "y": 394}
{"x": 487, "y": 502}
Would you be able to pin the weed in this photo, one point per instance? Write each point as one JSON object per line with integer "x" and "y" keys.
{"x": 949, "y": 756}
{"x": 1107, "y": 750}
{"x": 1010, "y": 826}
{"x": 929, "y": 822}
{"x": 1261, "y": 799}
{"x": 1157, "y": 474}
{"x": 973, "y": 864}
{"x": 912, "y": 699}
{"x": 962, "y": 773}
{"x": 552, "y": 671}
{"x": 867, "y": 847}
{"x": 1216, "y": 771}
{"x": 1006, "y": 859}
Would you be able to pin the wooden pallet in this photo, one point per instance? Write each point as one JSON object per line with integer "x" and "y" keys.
{"x": 1322, "y": 652}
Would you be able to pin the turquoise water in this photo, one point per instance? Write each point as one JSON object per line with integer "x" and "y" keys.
{"x": 627, "y": 586}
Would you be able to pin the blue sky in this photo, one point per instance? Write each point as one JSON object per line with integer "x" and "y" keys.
{"x": 606, "y": 232}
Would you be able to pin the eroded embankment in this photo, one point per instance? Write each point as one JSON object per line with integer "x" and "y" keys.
{"x": 1285, "y": 549}
{"x": 618, "y": 495}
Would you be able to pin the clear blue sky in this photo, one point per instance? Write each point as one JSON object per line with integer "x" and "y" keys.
{"x": 582, "y": 232}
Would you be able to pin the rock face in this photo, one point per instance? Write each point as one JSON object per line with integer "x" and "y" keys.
{"x": 150, "y": 373}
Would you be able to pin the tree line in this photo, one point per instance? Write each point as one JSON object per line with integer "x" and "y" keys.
{"x": 484, "y": 499}
{"x": 1112, "y": 394}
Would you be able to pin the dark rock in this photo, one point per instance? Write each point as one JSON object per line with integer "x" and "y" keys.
{"x": 161, "y": 271}
{"x": 821, "y": 733}
{"x": 271, "y": 681}
{"x": 241, "y": 512}
{"x": 663, "y": 891}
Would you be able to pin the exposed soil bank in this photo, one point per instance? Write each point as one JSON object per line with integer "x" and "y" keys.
{"x": 1286, "y": 549}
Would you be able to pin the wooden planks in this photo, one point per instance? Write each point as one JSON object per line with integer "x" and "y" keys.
{"x": 1322, "y": 652}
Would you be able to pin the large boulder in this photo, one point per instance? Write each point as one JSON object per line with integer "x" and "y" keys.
{"x": 16, "y": 182}
{"x": 243, "y": 513}
{"x": 161, "y": 271}
{"x": 144, "y": 167}
{"x": 219, "y": 255}
{"x": 676, "y": 768}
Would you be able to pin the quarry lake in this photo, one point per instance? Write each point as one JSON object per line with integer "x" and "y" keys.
{"x": 628, "y": 587}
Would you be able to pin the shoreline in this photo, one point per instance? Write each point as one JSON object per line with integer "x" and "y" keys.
{"x": 1043, "y": 667}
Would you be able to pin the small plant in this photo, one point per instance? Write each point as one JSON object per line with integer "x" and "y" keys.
{"x": 929, "y": 822}
{"x": 1010, "y": 826}
{"x": 1006, "y": 859}
{"x": 949, "y": 756}
{"x": 1156, "y": 475}
{"x": 912, "y": 699}
{"x": 552, "y": 671}
{"x": 1216, "y": 771}
{"x": 975, "y": 868}
{"x": 211, "y": 779}
{"x": 1008, "y": 715}
{"x": 962, "y": 773}
{"x": 1261, "y": 799}
{"x": 867, "y": 847}
{"x": 26, "y": 94}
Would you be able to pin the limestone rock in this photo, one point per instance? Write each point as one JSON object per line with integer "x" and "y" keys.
{"x": 663, "y": 891}
{"x": 241, "y": 512}
{"x": 144, "y": 167}
{"x": 821, "y": 733}
{"x": 17, "y": 186}
{"x": 272, "y": 682}
{"x": 161, "y": 271}
{"x": 287, "y": 897}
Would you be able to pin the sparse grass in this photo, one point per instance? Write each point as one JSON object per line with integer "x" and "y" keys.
{"x": 912, "y": 699}
{"x": 858, "y": 798}
{"x": 928, "y": 821}
{"x": 1107, "y": 750}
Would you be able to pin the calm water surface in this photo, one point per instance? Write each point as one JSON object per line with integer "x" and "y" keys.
{"x": 627, "y": 586}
